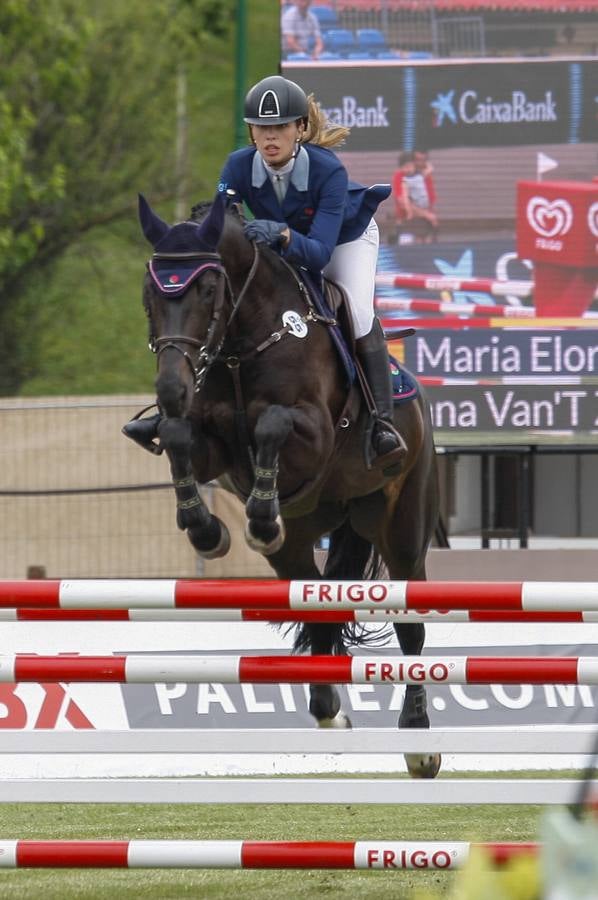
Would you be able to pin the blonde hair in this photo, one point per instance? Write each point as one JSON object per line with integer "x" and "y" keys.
{"x": 318, "y": 129}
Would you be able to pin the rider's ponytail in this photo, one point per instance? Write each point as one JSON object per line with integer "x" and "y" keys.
{"x": 319, "y": 131}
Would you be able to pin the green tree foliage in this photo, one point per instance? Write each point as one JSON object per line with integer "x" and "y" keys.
{"x": 87, "y": 91}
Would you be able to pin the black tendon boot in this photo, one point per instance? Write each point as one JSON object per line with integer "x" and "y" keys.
{"x": 388, "y": 445}
{"x": 144, "y": 431}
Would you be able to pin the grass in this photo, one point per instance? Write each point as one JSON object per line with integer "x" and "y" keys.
{"x": 141, "y": 821}
{"x": 253, "y": 822}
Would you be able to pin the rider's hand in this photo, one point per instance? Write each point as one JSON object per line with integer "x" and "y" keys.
{"x": 265, "y": 231}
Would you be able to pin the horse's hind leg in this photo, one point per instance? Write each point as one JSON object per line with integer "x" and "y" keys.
{"x": 414, "y": 712}
{"x": 264, "y": 531}
{"x": 324, "y": 699}
{"x": 296, "y": 561}
{"x": 207, "y": 533}
{"x": 411, "y": 526}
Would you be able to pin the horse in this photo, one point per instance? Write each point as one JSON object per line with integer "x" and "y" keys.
{"x": 253, "y": 395}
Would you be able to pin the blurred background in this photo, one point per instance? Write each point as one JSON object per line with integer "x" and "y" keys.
{"x": 100, "y": 101}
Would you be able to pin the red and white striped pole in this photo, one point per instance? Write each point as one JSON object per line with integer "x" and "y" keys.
{"x": 375, "y": 616}
{"x": 456, "y": 309}
{"x": 137, "y": 854}
{"x": 162, "y": 668}
{"x": 524, "y": 596}
{"x": 449, "y": 283}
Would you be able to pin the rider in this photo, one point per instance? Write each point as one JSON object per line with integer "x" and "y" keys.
{"x": 307, "y": 210}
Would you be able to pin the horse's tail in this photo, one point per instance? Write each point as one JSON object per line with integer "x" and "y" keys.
{"x": 350, "y": 558}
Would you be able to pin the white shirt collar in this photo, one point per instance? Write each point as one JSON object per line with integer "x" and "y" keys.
{"x": 299, "y": 168}
{"x": 281, "y": 170}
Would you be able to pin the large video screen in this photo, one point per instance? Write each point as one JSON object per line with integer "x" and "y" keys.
{"x": 500, "y": 283}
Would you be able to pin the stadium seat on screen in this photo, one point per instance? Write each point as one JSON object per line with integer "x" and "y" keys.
{"x": 419, "y": 54}
{"x": 298, "y": 57}
{"x": 359, "y": 54}
{"x": 328, "y": 55}
{"x": 388, "y": 54}
{"x": 339, "y": 40}
{"x": 371, "y": 39}
{"x": 325, "y": 15}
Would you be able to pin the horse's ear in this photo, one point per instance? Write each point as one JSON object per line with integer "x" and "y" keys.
{"x": 152, "y": 225}
{"x": 210, "y": 230}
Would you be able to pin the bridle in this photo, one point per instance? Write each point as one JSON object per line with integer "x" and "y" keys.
{"x": 208, "y": 351}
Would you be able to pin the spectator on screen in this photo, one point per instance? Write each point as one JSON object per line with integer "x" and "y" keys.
{"x": 415, "y": 196}
{"x": 424, "y": 167}
{"x": 301, "y": 30}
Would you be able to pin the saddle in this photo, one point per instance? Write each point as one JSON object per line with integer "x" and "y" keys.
{"x": 330, "y": 301}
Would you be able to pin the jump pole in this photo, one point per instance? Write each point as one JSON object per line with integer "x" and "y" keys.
{"x": 137, "y": 854}
{"x": 449, "y": 283}
{"x": 570, "y": 739}
{"x": 374, "y": 616}
{"x": 384, "y": 305}
{"x": 522, "y": 596}
{"x": 317, "y": 791}
{"x": 232, "y": 669}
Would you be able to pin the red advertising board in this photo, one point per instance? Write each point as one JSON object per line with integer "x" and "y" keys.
{"x": 557, "y": 222}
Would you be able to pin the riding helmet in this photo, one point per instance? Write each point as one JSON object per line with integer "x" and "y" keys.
{"x": 275, "y": 100}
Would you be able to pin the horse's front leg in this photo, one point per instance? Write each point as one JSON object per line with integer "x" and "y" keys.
{"x": 207, "y": 533}
{"x": 264, "y": 531}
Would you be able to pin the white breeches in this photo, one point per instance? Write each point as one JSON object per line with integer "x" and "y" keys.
{"x": 353, "y": 266}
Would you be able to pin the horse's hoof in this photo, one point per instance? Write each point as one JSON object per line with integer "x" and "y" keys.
{"x": 221, "y": 548}
{"x": 266, "y": 548}
{"x": 425, "y": 765}
{"x": 340, "y": 720}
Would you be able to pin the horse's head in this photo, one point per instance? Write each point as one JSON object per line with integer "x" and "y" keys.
{"x": 184, "y": 296}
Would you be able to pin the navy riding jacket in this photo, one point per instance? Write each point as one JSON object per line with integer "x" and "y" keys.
{"x": 321, "y": 207}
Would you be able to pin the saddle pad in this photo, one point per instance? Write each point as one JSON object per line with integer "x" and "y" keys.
{"x": 404, "y": 385}
{"x": 314, "y": 287}
{"x": 173, "y": 277}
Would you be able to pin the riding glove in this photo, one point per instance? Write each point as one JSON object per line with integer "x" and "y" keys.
{"x": 264, "y": 231}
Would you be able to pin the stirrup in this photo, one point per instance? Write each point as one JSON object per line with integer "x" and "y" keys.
{"x": 389, "y": 458}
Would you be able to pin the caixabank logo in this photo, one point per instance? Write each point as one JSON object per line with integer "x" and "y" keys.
{"x": 468, "y": 107}
{"x": 351, "y": 111}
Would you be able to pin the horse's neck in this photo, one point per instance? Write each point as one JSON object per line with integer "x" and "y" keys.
{"x": 259, "y": 291}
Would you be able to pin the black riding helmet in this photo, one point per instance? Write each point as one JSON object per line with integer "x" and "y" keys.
{"x": 275, "y": 100}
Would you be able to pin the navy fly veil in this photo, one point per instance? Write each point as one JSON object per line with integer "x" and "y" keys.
{"x": 180, "y": 257}
{"x": 173, "y": 275}
{"x": 185, "y": 250}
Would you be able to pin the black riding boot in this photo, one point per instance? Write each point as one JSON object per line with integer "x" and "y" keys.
{"x": 144, "y": 431}
{"x": 389, "y": 447}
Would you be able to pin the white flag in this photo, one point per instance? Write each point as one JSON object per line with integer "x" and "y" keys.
{"x": 544, "y": 163}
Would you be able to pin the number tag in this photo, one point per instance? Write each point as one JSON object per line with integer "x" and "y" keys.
{"x": 295, "y": 323}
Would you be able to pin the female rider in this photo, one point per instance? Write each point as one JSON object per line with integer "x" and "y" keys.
{"x": 307, "y": 210}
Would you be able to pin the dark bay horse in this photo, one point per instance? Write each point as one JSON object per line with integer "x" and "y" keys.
{"x": 253, "y": 394}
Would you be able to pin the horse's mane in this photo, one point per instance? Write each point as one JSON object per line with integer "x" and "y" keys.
{"x": 200, "y": 210}
{"x": 236, "y": 216}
